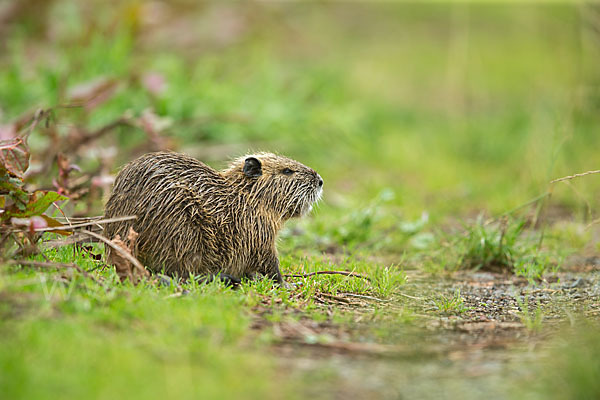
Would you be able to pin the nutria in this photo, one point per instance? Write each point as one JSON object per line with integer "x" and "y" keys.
{"x": 193, "y": 219}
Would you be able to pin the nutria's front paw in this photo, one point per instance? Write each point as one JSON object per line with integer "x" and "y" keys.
{"x": 228, "y": 280}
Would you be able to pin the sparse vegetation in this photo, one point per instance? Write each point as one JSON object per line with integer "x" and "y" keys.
{"x": 450, "y": 304}
{"x": 492, "y": 247}
{"x": 531, "y": 318}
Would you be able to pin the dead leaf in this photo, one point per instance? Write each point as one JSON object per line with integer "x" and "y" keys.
{"x": 51, "y": 222}
{"x": 14, "y": 156}
{"x": 124, "y": 267}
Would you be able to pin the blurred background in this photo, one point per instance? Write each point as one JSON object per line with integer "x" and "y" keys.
{"x": 439, "y": 110}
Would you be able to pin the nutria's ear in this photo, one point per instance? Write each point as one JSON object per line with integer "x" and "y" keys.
{"x": 252, "y": 167}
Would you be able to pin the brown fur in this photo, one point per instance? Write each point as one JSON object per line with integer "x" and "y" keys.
{"x": 192, "y": 219}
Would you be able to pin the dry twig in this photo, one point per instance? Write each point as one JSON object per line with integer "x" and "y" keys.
{"x": 333, "y": 297}
{"x": 566, "y": 178}
{"x": 70, "y": 227}
{"x": 362, "y": 296}
{"x": 345, "y": 273}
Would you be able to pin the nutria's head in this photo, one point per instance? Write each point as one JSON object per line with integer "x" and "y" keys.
{"x": 279, "y": 184}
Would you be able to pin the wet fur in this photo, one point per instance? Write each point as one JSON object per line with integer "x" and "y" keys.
{"x": 192, "y": 218}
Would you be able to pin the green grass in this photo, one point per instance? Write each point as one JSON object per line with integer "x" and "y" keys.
{"x": 60, "y": 328}
{"x": 454, "y": 304}
{"x": 501, "y": 246}
{"x": 531, "y": 318}
{"x": 61, "y": 331}
{"x": 491, "y": 247}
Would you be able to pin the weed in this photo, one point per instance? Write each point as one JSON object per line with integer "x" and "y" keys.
{"x": 360, "y": 226}
{"x": 495, "y": 247}
{"x": 533, "y": 266}
{"x": 491, "y": 247}
{"x": 387, "y": 280}
{"x": 377, "y": 226}
{"x": 532, "y": 319}
{"x": 454, "y": 304}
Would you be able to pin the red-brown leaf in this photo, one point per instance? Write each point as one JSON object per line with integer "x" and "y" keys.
{"x": 14, "y": 156}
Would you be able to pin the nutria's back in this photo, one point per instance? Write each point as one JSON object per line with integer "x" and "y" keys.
{"x": 192, "y": 219}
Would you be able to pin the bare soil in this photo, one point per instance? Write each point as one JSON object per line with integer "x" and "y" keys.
{"x": 490, "y": 347}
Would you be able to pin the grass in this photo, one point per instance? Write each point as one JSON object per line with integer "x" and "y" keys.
{"x": 489, "y": 247}
{"x": 451, "y": 305}
{"x": 531, "y": 318}
{"x": 112, "y": 336}
{"x": 187, "y": 339}
{"x": 418, "y": 117}
{"x": 504, "y": 246}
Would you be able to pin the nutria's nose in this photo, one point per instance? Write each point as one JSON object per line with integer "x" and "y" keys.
{"x": 320, "y": 180}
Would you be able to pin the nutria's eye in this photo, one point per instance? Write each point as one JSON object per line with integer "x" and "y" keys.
{"x": 287, "y": 171}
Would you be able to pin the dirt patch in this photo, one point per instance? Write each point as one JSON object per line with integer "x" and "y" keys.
{"x": 485, "y": 347}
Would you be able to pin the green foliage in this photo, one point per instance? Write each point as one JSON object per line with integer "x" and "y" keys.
{"x": 382, "y": 129}
{"x": 360, "y": 225}
{"x": 504, "y": 246}
{"x": 491, "y": 247}
{"x": 497, "y": 247}
{"x": 18, "y": 206}
{"x": 377, "y": 226}
{"x": 379, "y": 280}
{"x": 533, "y": 264}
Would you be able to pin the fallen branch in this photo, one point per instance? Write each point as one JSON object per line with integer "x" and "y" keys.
{"x": 345, "y": 273}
